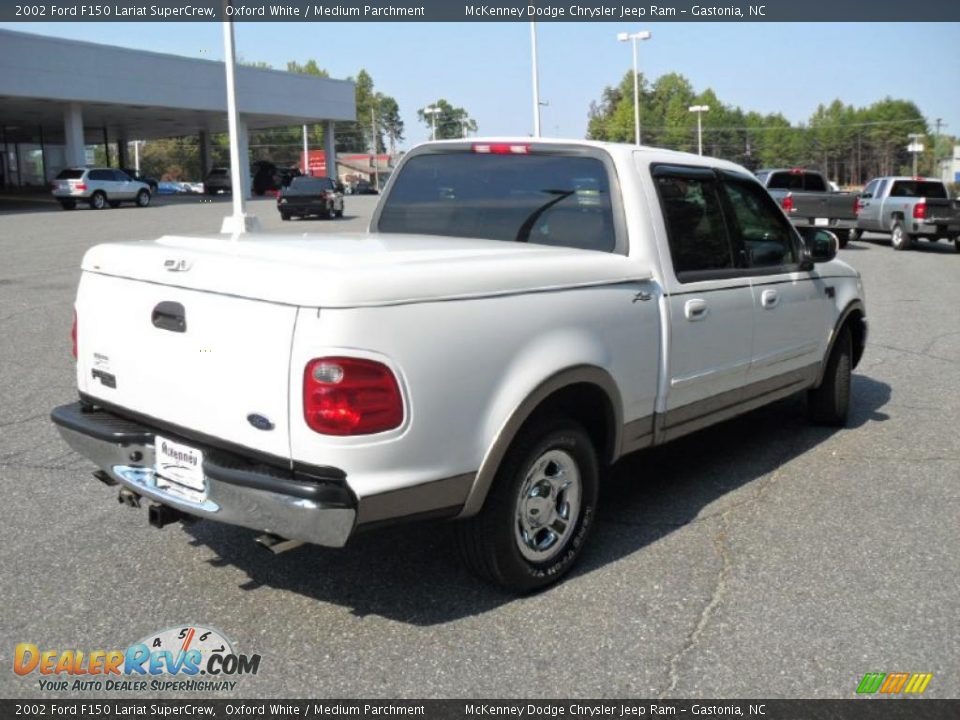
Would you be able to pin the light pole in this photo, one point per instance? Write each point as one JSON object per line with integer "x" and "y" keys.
{"x": 635, "y": 38}
{"x": 433, "y": 111}
{"x": 699, "y": 110}
{"x": 536, "y": 80}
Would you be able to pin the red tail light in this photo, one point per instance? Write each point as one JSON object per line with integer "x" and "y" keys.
{"x": 73, "y": 333}
{"x": 80, "y": 186}
{"x": 920, "y": 211}
{"x": 787, "y": 203}
{"x": 857, "y": 206}
{"x": 501, "y": 148}
{"x": 350, "y": 396}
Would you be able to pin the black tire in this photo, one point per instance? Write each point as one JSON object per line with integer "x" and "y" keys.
{"x": 854, "y": 235}
{"x": 143, "y": 198}
{"x": 493, "y": 543}
{"x": 843, "y": 237}
{"x": 899, "y": 237}
{"x": 331, "y": 212}
{"x": 829, "y": 404}
{"x": 284, "y": 216}
{"x": 339, "y": 212}
{"x": 956, "y": 243}
{"x": 68, "y": 204}
{"x": 98, "y": 201}
{"x": 209, "y": 191}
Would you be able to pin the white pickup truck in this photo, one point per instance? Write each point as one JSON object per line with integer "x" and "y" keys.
{"x": 521, "y": 314}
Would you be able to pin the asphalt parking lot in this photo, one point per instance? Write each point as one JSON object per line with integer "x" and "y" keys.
{"x": 760, "y": 558}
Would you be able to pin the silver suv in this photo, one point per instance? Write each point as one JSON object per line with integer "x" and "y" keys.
{"x": 99, "y": 187}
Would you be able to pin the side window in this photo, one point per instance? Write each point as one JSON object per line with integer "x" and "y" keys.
{"x": 871, "y": 189}
{"x": 101, "y": 175}
{"x": 814, "y": 183}
{"x": 120, "y": 176}
{"x": 697, "y": 233}
{"x": 767, "y": 237}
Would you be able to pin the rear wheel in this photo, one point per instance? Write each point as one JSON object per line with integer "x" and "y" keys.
{"x": 843, "y": 236}
{"x": 829, "y": 404}
{"x": 143, "y": 198}
{"x": 68, "y": 204}
{"x": 899, "y": 237}
{"x": 854, "y": 235}
{"x": 284, "y": 216}
{"x": 540, "y": 508}
{"x": 98, "y": 201}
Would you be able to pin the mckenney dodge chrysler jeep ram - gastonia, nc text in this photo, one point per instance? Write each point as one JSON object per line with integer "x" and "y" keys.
{"x": 521, "y": 314}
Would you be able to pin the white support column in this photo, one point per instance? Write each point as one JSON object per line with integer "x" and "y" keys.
{"x": 75, "y": 153}
{"x": 243, "y": 146}
{"x": 330, "y": 150}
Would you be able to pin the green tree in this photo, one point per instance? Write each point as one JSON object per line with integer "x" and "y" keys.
{"x": 451, "y": 122}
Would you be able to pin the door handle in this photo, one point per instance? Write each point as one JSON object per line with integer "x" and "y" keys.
{"x": 695, "y": 310}
{"x": 769, "y": 299}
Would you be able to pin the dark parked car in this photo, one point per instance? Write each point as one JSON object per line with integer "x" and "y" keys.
{"x": 140, "y": 177}
{"x": 217, "y": 180}
{"x": 306, "y": 195}
{"x": 363, "y": 187}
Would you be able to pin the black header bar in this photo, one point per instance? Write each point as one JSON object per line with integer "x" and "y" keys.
{"x": 466, "y": 11}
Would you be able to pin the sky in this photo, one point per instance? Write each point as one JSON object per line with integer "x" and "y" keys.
{"x": 485, "y": 67}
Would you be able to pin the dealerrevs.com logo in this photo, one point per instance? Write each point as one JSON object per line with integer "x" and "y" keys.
{"x": 182, "y": 659}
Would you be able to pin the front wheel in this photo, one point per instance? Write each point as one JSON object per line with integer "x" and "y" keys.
{"x": 539, "y": 511}
{"x": 143, "y": 198}
{"x": 899, "y": 237}
{"x": 829, "y": 404}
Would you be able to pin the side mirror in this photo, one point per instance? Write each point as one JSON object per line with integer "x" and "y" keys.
{"x": 819, "y": 246}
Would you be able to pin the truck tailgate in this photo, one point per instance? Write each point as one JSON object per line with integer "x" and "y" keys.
{"x": 199, "y": 360}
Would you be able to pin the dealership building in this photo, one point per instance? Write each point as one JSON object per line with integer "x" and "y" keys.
{"x": 59, "y": 97}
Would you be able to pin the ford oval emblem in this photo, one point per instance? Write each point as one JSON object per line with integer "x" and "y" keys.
{"x": 260, "y": 422}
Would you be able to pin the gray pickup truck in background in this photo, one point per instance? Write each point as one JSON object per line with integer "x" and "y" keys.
{"x": 908, "y": 208}
{"x": 807, "y": 199}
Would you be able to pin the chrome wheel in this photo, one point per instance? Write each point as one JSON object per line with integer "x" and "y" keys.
{"x": 548, "y": 506}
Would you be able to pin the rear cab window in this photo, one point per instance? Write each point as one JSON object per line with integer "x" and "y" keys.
{"x": 552, "y": 197}
{"x": 918, "y": 189}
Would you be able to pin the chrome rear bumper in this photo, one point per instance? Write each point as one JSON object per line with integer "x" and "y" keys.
{"x": 298, "y": 505}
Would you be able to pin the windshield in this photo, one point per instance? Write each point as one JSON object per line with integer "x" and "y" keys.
{"x": 556, "y": 200}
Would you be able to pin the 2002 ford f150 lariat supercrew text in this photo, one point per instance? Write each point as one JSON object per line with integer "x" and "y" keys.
{"x": 521, "y": 314}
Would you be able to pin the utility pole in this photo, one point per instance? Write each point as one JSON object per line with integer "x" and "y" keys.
{"x": 936, "y": 144}
{"x": 535, "y": 79}
{"x": 373, "y": 156}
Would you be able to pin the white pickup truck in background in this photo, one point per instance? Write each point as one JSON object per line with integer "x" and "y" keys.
{"x": 522, "y": 314}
